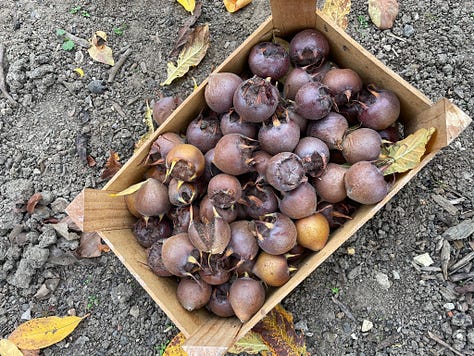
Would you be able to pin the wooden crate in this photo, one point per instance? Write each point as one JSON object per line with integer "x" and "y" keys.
{"x": 95, "y": 210}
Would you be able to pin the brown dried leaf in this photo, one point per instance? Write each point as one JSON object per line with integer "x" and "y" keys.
{"x": 191, "y": 55}
{"x": 31, "y": 205}
{"x": 337, "y": 10}
{"x": 174, "y": 347}
{"x": 235, "y": 5}
{"x": 112, "y": 166}
{"x": 99, "y": 51}
{"x": 383, "y": 13}
{"x": 91, "y": 245}
{"x": 91, "y": 161}
{"x": 185, "y": 31}
{"x": 278, "y": 332}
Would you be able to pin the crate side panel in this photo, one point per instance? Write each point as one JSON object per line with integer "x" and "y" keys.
{"x": 161, "y": 289}
{"x": 350, "y": 54}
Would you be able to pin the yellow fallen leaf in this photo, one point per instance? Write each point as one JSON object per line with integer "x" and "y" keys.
{"x": 337, "y": 10}
{"x": 195, "y": 84}
{"x": 43, "y": 332}
{"x": 129, "y": 190}
{"x": 404, "y": 155}
{"x": 188, "y": 5}
{"x": 8, "y": 348}
{"x": 191, "y": 55}
{"x": 252, "y": 343}
{"x": 174, "y": 347}
{"x": 148, "y": 119}
{"x": 79, "y": 71}
{"x": 99, "y": 51}
{"x": 234, "y": 5}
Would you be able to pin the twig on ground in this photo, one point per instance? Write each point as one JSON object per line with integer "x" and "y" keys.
{"x": 114, "y": 70}
{"x": 343, "y": 308}
{"x": 444, "y": 343}
{"x": 395, "y": 36}
{"x": 3, "y": 86}
{"x": 77, "y": 40}
{"x": 119, "y": 109}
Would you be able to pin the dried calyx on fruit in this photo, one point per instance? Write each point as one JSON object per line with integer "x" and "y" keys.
{"x": 212, "y": 237}
{"x": 285, "y": 171}
{"x": 267, "y": 59}
{"x": 233, "y": 154}
{"x": 256, "y": 99}
{"x": 276, "y": 233}
{"x": 279, "y": 134}
{"x": 204, "y": 131}
{"x": 185, "y": 162}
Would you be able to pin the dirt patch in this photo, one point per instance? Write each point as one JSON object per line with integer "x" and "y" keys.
{"x": 430, "y": 46}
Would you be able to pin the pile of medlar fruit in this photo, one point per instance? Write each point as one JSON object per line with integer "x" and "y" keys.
{"x": 283, "y": 154}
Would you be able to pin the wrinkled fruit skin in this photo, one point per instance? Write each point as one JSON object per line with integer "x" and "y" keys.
{"x": 155, "y": 262}
{"x": 255, "y": 100}
{"x": 285, "y": 171}
{"x": 148, "y": 232}
{"x": 267, "y": 59}
{"x": 312, "y": 101}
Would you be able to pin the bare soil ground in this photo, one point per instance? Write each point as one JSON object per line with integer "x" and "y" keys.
{"x": 431, "y": 45}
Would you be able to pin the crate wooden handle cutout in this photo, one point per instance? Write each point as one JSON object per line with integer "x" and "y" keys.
{"x": 96, "y": 210}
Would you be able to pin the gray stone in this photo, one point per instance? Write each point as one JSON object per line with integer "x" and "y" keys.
{"x": 461, "y": 319}
{"x": 18, "y": 190}
{"x": 382, "y": 280}
{"x": 353, "y": 273}
{"x": 26, "y": 315}
{"x": 61, "y": 229}
{"x": 470, "y": 336}
{"x": 395, "y": 275}
{"x": 47, "y": 238}
{"x": 22, "y": 276}
{"x": 423, "y": 260}
{"x": 408, "y": 30}
{"x": 121, "y": 294}
{"x": 59, "y": 205}
{"x": 366, "y": 326}
{"x": 134, "y": 311}
{"x": 36, "y": 256}
{"x": 449, "y": 306}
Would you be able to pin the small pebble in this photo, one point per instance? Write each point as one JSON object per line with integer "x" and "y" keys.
{"x": 366, "y": 326}
{"x": 134, "y": 311}
{"x": 395, "y": 275}
{"x": 383, "y": 280}
{"x": 423, "y": 260}
{"x": 97, "y": 86}
{"x": 449, "y": 306}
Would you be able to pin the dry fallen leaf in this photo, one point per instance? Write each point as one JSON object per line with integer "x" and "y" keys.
{"x": 404, "y": 155}
{"x": 185, "y": 31}
{"x": 129, "y": 190}
{"x": 191, "y": 55}
{"x": 79, "y": 71}
{"x": 279, "y": 334}
{"x": 91, "y": 245}
{"x": 112, "y": 166}
{"x": 235, "y": 5}
{"x": 43, "y": 332}
{"x": 148, "y": 119}
{"x": 31, "y": 205}
{"x": 337, "y": 10}
{"x": 99, "y": 51}
{"x": 30, "y": 352}
{"x": 8, "y": 348}
{"x": 383, "y": 13}
{"x": 251, "y": 343}
{"x": 188, "y": 5}
{"x": 174, "y": 347}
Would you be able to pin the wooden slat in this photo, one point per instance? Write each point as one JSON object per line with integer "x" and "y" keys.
{"x": 94, "y": 210}
{"x": 291, "y": 16}
{"x": 161, "y": 290}
{"x": 213, "y": 338}
{"x": 448, "y": 120}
